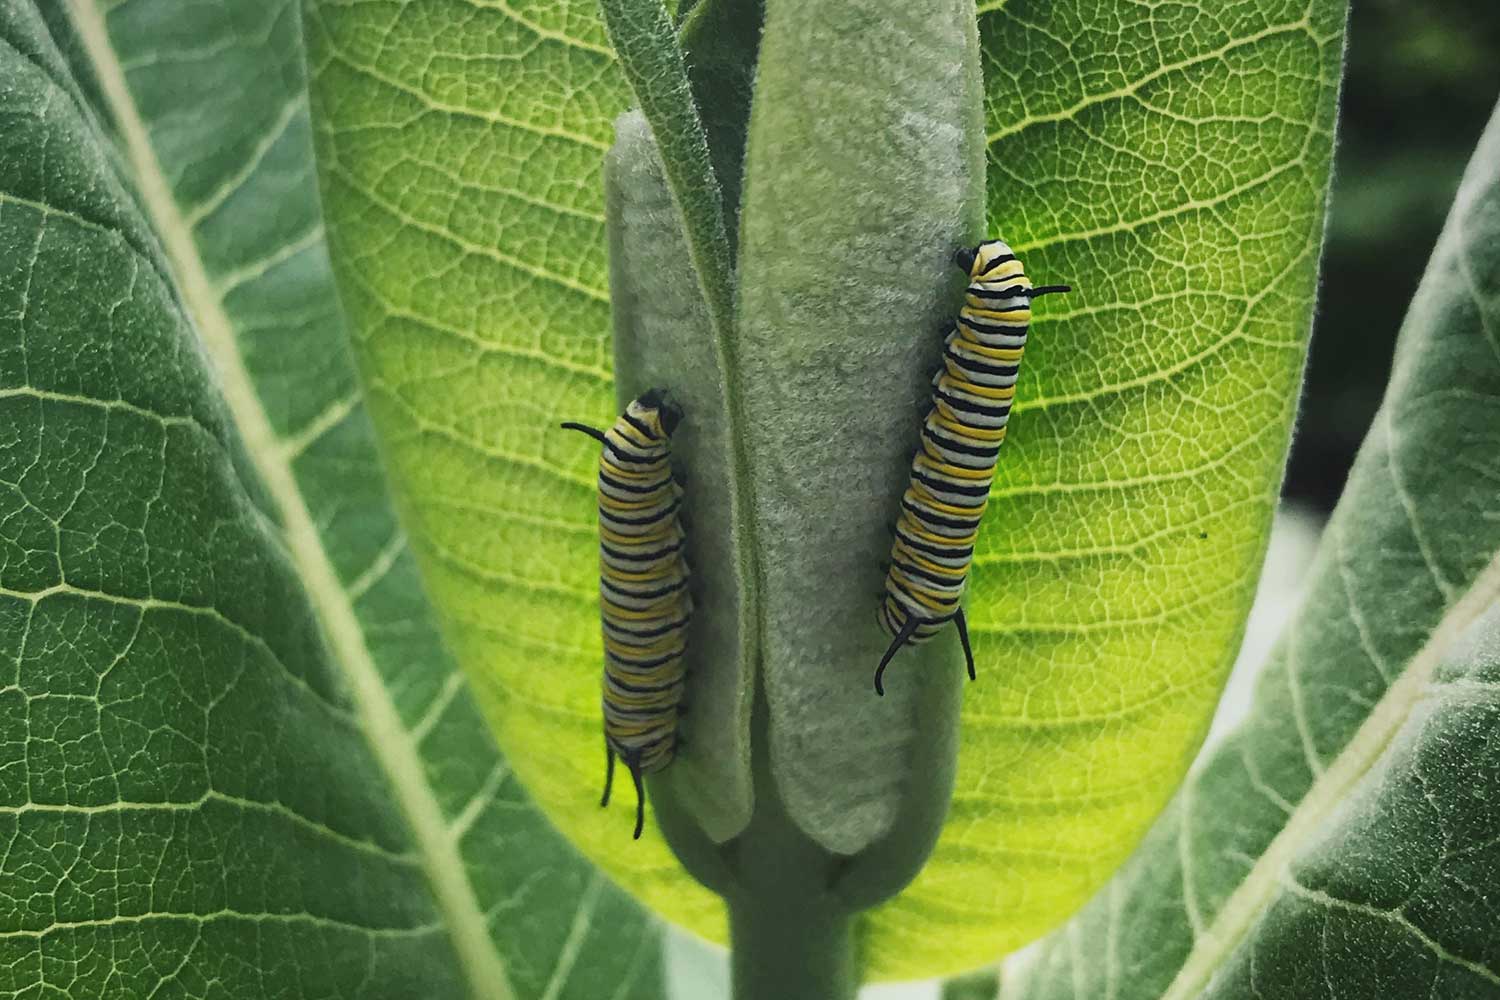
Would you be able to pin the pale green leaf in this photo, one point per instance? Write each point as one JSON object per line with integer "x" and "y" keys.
{"x": 261, "y": 774}
{"x": 461, "y": 148}
{"x": 1171, "y": 164}
{"x": 1317, "y": 805}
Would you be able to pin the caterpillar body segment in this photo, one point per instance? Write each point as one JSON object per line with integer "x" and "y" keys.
{"x": 644, "y": 602}
{"x": 953, "y": 469}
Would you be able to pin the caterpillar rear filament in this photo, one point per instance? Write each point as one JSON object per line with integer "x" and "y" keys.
{"x": 961, "y": 438}
{"x": 643, "y": 594}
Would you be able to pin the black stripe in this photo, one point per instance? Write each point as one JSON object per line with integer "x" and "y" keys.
{"x": 941, "y": 551}
{"x": 651, "y": 519}
{"x": 643, "y": 688}
{"x": 949, "y": 443}
{"x": 646, "y": 432}
{"x": 643, "y": 664}
{"x": 944, "y": 486}
{"x": 941, "y": 579}
{"x": 647, "y": 633}
{"x": 1002, "y": 259}
{"x": 932, "y": 517}
{"x": 997, "y": 329}
{"x": 630, "y": 459}
{"x": 1013, "y": 292}
{"x": 982, "y": 367}
{"x": 641, "y": 556}
{"x": 624, "y": 487}
{"x": 967, "y": 406}
{"x": 644, "y": 595}
{"x": 656, "y": 717}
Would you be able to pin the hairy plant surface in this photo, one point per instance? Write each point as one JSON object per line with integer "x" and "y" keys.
{"x": 236, "y": 757}
{"x": 236, "y": 760}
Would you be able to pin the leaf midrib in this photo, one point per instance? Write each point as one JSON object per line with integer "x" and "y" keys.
{"x": 390, "y": 744}
{"x": 1363, "y": 751}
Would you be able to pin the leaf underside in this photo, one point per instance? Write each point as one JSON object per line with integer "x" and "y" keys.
{"x": 194, "y": 800}
{"x": 461, "y": 150}
{"x": 1176, "y": 181}
{"x": 1171, "y": 164}
{"x": 1348, "y": 829}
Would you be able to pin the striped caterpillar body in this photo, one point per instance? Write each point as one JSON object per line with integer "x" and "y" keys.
{"x": 961, "y": 437}
{"x": 643, "y": 595}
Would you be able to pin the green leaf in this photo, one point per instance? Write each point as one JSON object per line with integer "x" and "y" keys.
{"x": 721, "y": 45}
{"x": 643, "y": 36}
{"x": 1317, "y": 806}
{"x": 247, "y": 766}
{"x": 982, "y": 985}
{"x": 1171, "y": 164}
{"x": 460, "y": 153}
{"x": 1396, "y": 898}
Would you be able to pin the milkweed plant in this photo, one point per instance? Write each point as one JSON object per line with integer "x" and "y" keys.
{"x": 300, "y": 651}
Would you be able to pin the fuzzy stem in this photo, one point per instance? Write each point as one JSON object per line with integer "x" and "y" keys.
{"x": 785, "y": 948}
{"x": 791, "y": 938}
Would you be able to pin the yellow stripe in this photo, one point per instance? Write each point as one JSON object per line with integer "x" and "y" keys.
{"x": 659, "y": 532}
{"x": 915, "y": 528}
{"x": 987, "y": 391}
{"x": 922, "y": 563}
{"x": 614, "y": 503}
{"x": 918, "y": 489}
{"x": 932, "y": 603}
{"x": 996, "y": 353}
{"x": 638, "y": 471}
{"x": 959, "y": 471}
{"x": 660, "y": 572}
{"x": 1009, "y": 269}
{"x": 952, "y": 421}
{"x": 1022, "y": 315}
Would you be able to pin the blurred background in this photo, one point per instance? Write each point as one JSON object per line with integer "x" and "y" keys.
{"x": 1420, "y": 83}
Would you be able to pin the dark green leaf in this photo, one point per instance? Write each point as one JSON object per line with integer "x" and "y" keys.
{"x": 1411, "y": 556}
{"x": 212, "y": 122}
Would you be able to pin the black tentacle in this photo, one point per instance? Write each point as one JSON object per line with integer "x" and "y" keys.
{"x": 609, "y": 773}
{"x": 640, "y": 798}
{"x": 907, "y": 629}
{"x": 592, "y": 432}
{"x": 963, "y": 638}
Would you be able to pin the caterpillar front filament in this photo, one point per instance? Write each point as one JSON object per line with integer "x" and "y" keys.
{"x": 961, "y": 438}
{"x": 643, "y": 592}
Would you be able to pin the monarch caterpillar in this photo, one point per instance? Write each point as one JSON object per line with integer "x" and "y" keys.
{"x": 643, "y": 595}
{"x": 961, "y": 437}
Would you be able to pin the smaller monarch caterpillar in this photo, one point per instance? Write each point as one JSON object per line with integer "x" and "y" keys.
{"x": 961, "y": 437}
{"x": 643, "y": 595}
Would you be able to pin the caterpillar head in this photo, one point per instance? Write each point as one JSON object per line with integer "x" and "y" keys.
{"x": 993, "y": 262}
{"x": 976, "y": 261}
{"x": 657, "y": 403}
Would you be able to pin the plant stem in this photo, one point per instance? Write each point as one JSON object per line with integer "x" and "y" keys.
{"x": 790, "y": 937}
{"x": 790, "y": 949}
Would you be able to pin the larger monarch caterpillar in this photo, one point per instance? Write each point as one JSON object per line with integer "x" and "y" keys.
{"x": 961, "y": 438}
{"x": 643, "y": 596}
